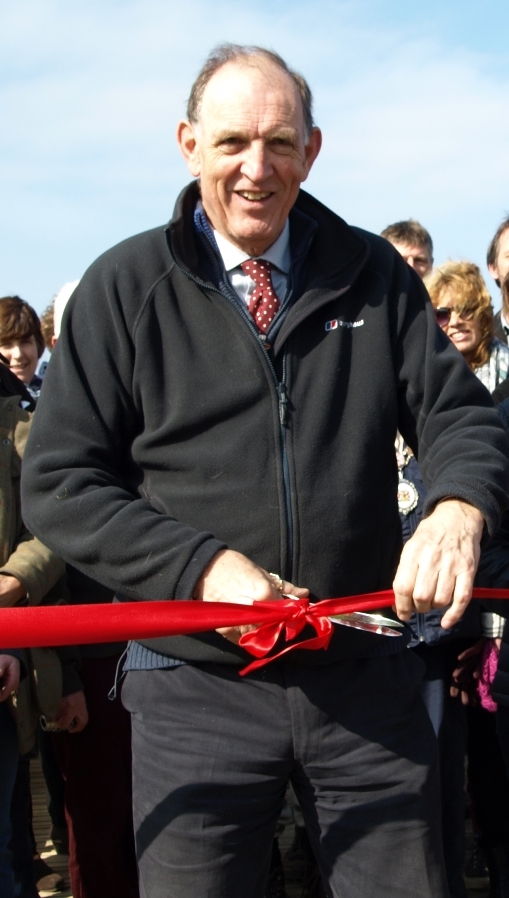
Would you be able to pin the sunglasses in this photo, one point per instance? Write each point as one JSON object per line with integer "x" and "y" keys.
{"x": 443, "y": 315}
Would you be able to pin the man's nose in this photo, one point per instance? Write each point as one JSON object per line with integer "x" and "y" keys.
{"x": 256, "y": 165}
{"x": 410, "y": 261}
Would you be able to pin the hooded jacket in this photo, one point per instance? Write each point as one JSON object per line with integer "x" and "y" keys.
{"x": 168, "y": 429}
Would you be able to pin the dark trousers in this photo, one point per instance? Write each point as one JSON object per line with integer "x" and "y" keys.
{"x": 449, "y": 720}
{"x": 22, "y": 839}
{"x": 503, "y": 734}
{"x": 96, "y": 765}
{"x": 488, "y": 779}
{"x": 9, "y": 753}
{"x": 213, "y": 753}
{"x": 54, "y": 780}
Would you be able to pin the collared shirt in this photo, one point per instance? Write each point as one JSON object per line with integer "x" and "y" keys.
{"x": 504, "y": 323}
{"x": 496, "y": 369}
{"x": 278, "y": 255}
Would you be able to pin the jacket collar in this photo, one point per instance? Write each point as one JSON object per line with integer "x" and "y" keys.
{"x": 334, "y": 253}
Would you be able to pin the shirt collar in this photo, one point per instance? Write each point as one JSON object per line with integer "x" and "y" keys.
{"x": 278, "y": 254}
{"x": 505, "y": 323}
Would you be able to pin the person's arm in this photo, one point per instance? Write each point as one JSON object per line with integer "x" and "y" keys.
{"x": 30, "y": 571}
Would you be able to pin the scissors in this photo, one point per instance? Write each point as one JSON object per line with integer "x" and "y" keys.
{"x": 371, "y": 623}
{"x": 361, "y": 620}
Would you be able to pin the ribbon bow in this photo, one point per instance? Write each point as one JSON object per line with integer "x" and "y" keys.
{"x": 259, "y": 642}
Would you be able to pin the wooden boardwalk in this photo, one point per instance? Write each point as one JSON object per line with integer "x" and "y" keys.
{"x": 41, "y": 822}
{"x": 59, "y": 863}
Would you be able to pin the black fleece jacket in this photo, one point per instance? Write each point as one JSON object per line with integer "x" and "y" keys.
{"x": 158, "y": 437}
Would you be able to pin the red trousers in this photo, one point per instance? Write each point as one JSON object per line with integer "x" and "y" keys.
{"x": 96, "y": 766}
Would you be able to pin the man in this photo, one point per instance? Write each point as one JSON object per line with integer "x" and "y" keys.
{"x": 229, "y": 390}
{"x": 436, "y": 647}
{"x": 498, "y": 266}
{"x": 413, "y": 242}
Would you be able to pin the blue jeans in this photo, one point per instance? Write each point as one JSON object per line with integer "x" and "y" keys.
{"x": 8, "y": 765}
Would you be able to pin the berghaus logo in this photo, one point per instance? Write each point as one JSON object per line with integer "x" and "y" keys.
{"x": 336, "y": 322}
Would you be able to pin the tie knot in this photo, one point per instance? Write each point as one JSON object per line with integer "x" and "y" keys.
{"x": 257, "y": 269}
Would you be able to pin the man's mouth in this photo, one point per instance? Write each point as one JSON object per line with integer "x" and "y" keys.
{"x": 255, "y": 195}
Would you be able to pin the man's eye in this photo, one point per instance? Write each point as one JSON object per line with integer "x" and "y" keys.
{"x": 282, "y": 143}
{"x": 232, "y": 142}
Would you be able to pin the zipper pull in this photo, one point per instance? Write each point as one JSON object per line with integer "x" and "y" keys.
{"x": 283, "y": 404}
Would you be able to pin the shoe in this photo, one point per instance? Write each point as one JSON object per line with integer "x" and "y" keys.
{"x": 46, "y": 880}
{"x": 276, "y": 884}
{"x": 475, "y": 872}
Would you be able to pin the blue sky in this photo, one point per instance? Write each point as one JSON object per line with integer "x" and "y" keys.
{"x": 413, "y": 100}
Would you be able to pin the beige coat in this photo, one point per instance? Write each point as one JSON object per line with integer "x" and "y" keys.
{"x": 21, "y": 554}
{"x": 24, "y": 556}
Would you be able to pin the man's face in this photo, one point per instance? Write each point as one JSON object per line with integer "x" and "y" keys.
{"x": 500, "y": 270}
{"x": 418, "y": 257}
{"x": 250, "y": 152}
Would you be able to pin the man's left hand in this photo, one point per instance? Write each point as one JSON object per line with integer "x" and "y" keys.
{"x": 438, "y": 564}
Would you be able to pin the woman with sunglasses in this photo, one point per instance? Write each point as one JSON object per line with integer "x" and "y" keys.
{"x": 464, "y": 312}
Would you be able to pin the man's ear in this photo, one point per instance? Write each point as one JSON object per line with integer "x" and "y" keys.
{"x": 188, "y": 143}
{"x": 493, "y": 270}
{"x": 312, "y": 149}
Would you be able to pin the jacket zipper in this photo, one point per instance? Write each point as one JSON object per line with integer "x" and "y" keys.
{"x": 283, "y": 420}
{"x": 283, "y": 407}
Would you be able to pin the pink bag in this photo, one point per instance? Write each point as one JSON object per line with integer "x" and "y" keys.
{"x": 488, "y": 669}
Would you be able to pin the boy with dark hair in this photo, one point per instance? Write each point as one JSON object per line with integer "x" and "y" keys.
{"x": 21, "y": 340}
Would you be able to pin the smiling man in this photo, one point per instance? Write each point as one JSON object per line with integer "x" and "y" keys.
{"x": 226, "y": 395}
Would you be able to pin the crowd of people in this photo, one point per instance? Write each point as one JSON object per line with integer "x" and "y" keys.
{"x": 199, "y": 428}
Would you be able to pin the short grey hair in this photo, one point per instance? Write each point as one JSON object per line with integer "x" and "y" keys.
{"x": 225, "y": 53}
{"x": 409, "y": 232}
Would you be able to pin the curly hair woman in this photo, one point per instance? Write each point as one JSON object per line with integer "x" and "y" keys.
{"x": 464, "y": 312}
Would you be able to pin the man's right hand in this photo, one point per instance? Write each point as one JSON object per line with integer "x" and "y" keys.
{"x": 231, "y": 577}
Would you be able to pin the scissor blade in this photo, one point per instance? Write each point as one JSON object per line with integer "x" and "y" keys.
{"x": 371, "y": 623}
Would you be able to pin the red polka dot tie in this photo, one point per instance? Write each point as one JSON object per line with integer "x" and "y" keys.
{"x": 263, "y": 303}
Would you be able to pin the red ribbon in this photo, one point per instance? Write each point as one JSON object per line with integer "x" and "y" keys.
{"x": 55, "y": 625}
